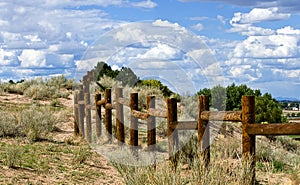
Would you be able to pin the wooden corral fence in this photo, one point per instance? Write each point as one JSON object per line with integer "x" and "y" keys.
{"x": 250, "y": 129}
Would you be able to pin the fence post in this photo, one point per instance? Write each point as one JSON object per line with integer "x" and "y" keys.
{"x": 120, "y": 117}
{"x": 134, "y": 134}
{"x": 151, "y": 125}
{"x": 88, "y": 119}
{"x": 203, "y": 130}
{"x": 98, "y": 116}
{"x": 172, "y": 131}
{"x": 76, "y": 112}
{"x": 108, "y": 115}
{"x": 248, "y": 141}
{"x": 86, "y": 85}
{"x": 81, "y": 111}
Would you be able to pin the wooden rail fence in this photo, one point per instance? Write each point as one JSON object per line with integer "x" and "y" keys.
{"x": 82, "y": 126}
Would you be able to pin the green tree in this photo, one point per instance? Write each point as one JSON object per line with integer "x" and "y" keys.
{"x": 218, "y": 97}
{"x": 157, "y": 84}
{"x": 235, "y": 93}
{"x": 102, "y": 69}
{"x": 267, "y": 109}
{"x": 127, "y": 77}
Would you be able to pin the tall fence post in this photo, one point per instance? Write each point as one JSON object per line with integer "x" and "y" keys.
{"x": 134, "y": 134}
{"x": 108, "y": 115}
{"x": 98, "y": 116}
{"x": 81, "y": 111}
{"x": 248, "y": 141}
{"x": 88, "y": 117}
{"x": 172, "y": 131}
{"x": 76, "y": 114}
{"x": 120, "y": 117}
{"x": 151, "y": 125}
{"x": 203, "y": 130}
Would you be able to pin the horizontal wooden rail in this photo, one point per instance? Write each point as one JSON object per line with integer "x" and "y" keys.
{"x": 101, "y": 102}
{"x": 109, "y": 106}
{"x": 273, "y": 129}
{"x": 221, "y": 116}
{"x": 157, "y": 113}
{"x": 186, "y": 125}
{"x": 140, "y": 115}
{"x": 123, "y": 101}
{"x": 81, "y": 102}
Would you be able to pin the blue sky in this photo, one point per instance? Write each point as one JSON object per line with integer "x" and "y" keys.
{"x": 252, "y": 42}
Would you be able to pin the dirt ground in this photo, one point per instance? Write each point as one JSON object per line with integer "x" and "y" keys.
{"x": 95, "y": 164}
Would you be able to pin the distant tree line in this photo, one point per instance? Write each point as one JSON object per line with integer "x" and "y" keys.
{"x": 267, "y": 109}
{"x": 221, "y": 98}
{"x": 290, "y": 105}
{"x": 127, "y": 77}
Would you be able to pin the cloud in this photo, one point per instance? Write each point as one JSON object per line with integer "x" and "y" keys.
{"x": 283, "y": 5}
{"x": 244, "y": 22}
{"x": 221, "y": 19}
{"x": 48, "y": 34}
{"x": 273, "y": 46}
{"x": 32, "y": 58}
{"x": 8, "y": 58}
{"x": 198, "y": 18}
{"x": 160, "y": 52}
{"x": 198, "y": 27}
{"x": 145, "y": 4}
{"x": 288, "y": 30}
{"x": 259, "y": 15}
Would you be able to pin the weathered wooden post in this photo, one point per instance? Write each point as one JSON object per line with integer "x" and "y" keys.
{"x": 151, "y": 125}
{"x": 120, "y": 117}
{"x": 98, "y": 116}
{"x": 86, "y": 85}
{"x": 172, "y": 131}
{"x": 108, "y": 115}
{"x": 134, "y": 134}
{"x": 81, "y": 112}
{"x": 248, "y": 141}
{"x": 76, "y": 112}
{"x": 88, "y": 117}
{"x": 203, "y": 130}
{"x": 92, "y": 75}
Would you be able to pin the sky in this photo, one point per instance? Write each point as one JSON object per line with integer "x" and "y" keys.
{"x": 187, "y": 44}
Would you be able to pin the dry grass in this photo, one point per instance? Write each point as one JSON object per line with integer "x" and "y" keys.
{"x": 57, "y": 157}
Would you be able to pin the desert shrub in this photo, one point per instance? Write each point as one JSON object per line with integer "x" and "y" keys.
{"x": 57, "y": 81}
{"x": 81, "y": 155}
{"x": 145, "y": 91}
{"x": 9, "y": 124}
{"x": 189, "y": 108}
{"x": 3, "y": 87}
{"x": 40, "y": 92}
{"x": 288, "y": 143}
{"x": 55, "y": 103}
{"x": 37, "y": 122}
{"x": 13, "y": 156}
{"x": 39, "y": 88}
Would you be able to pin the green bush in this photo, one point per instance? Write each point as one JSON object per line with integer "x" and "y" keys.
{"x": 81, "y": 155}
{"x": 13, "y": 156}
{"x": 37, "y": 122}
{"x": 40, "y": 89}
{"x": 9, "y": 124}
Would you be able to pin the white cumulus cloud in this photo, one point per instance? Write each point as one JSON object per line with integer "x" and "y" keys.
{"x": 259, "y": 15}
{"x": 32, "y": 58}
